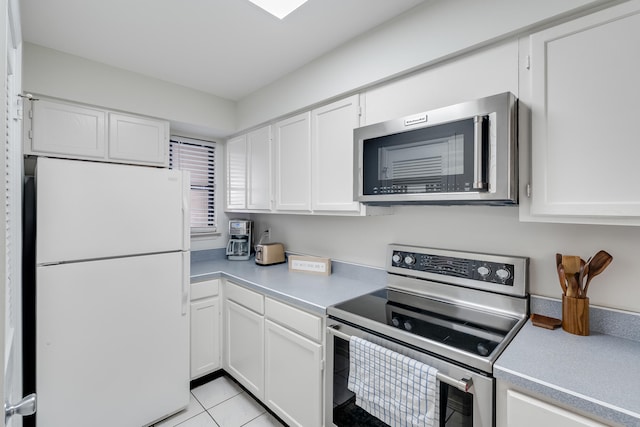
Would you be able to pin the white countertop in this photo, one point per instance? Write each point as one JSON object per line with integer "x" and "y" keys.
{"x": 308, "y": 291}
{"x": 598, "y": 374}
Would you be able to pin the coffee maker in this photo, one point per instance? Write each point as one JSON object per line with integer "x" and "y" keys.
{"x": 240, "y": 243}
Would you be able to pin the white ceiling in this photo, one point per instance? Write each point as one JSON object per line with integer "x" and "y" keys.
{"x": 229, "y": 48}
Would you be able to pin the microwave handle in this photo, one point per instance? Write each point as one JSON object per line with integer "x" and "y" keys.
{"x": 478, "y": 155}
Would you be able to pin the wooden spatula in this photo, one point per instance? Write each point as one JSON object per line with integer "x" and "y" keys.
{"x": 571, "y": 264}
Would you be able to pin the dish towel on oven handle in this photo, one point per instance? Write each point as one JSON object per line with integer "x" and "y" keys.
{"x": 397, "y": 389}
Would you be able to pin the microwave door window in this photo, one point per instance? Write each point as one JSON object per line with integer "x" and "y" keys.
{"x": 434, "y": 159}
{"x": 420, "y": 167}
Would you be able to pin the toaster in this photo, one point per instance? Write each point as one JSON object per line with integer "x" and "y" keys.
{"x": 269, "y": 253}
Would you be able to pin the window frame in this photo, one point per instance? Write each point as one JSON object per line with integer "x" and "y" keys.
{"x": 212, "y": 187}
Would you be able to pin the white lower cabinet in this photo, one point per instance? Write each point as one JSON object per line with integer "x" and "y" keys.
{"x": 293, "y": 376}
{"x": 244, "y": 340}
{"x": 516, "y": 407}
{"x": 205, "y": 328}
{"x": 526, "y": 411}
{"x": 276, "y": 352}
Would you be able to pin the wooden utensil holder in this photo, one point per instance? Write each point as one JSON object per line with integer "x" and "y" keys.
{"x": 575, "y": 315}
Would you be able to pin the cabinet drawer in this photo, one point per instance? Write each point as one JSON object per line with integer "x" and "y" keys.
{"x": 297, "y": 320}
{"x": 207, "y": 288}
{"x": 243, "y": 296}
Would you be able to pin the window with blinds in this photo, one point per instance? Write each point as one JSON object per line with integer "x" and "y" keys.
{"x": 199, "y": 158}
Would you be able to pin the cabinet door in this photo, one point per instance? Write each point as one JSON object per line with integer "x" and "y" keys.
{"x": 332, "y": 141}
{"x": 293, "y": 375}
{"x": 205, "y": 336}
{"x": 244, "y": 339}
{"x": 134, "y": 139}
{"x": 237, "y": 173}
{"x": 293, "y": 163}
{"x": 585, "y": 109}
{"x": 67, "y": 130}
{"x": 259, "y": 179}
{"x": 525, "y": 411}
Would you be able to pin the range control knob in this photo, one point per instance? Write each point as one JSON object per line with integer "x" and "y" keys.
{"x": 396, "y": 258}
{"x": 484, "y": 271}
{"x": 395, "y": 321}
{"x": 483, "y": 349}
{"x": 503, "y": 274}
{"x": 408, "y": 325}
{"x": 409, "y": 260}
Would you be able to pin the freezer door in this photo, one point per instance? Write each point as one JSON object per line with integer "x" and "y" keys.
{"x": 112, "y": 342}
{"x": 90, "y": 210}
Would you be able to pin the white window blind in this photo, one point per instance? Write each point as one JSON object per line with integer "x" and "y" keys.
{"x": 199, "y": 158}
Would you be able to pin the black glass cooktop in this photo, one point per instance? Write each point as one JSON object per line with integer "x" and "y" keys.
{"x": 464, "y": 328}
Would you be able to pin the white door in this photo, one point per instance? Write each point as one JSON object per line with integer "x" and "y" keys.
{"x": 293, "y": 376}
{"x": 259, "y": 176}
{"x": 10, "y": 190}
{"x": 112, "y": 341}
{"x": 237, "y": 173}
{"x": 68, "y": 130}
{"x": 138, "y": 139}
{"x": 113, "y": 210}
{"x": 584, "y": 112}
{"x": 293, "y": 163}
{"x": 332, "y": 140}
{"x": 244, "y": 338}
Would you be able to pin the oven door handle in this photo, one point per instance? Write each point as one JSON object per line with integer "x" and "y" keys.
{"x": 463, "y": 384}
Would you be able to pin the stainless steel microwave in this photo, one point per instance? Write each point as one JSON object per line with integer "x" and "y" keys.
{"x": 461, "y": 154}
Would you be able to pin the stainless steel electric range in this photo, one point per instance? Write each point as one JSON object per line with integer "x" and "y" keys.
{"x": 453, "y": 310}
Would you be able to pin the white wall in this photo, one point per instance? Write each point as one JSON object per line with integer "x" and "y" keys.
{"x": 60, "y": 75}
{"x": 363, "y": 240}
{"x": 422, "y": 36}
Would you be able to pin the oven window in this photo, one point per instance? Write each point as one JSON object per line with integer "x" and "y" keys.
{"x": 456, "y": 405}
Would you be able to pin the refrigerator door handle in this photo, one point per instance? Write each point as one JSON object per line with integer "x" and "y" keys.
{"x": 186, "y": 281}
{"x": 186, "y": 212}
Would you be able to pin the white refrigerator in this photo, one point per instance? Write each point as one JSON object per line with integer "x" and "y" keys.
{"x": 112, "y": 284}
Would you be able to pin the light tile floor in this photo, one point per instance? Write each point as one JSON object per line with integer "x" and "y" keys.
{"x": 221, "y": 403}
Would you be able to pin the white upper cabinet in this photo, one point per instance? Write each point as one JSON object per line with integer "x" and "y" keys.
{"x": 584, "y": 110}
{"x": 64, "y": 129}
{"x": 249, "y": 171}
{"x": 332, "y": 155}
{"x": 293, "y": 163}
{"x": 302, "y": 164}
{"x": 237, "y": 173}
{"x": 259, "y": 175}
{"x": 138, "y": 139}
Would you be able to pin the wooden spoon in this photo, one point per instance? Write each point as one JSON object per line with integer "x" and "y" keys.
{"x": 580, "y": 277}
{"x": 561, "y": 275}
{"x": 597, "y": 265}
{"x": 563, "y": 279}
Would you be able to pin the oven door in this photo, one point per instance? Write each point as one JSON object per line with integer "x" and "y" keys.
{"x": 466, "y": 397}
